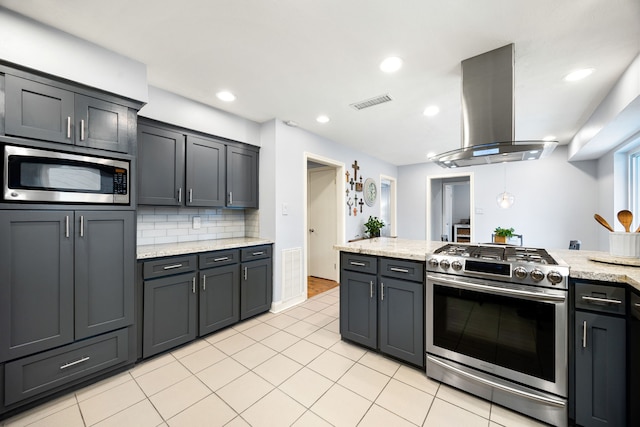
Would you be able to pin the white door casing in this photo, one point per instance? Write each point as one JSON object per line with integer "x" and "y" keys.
{"x": 321, "y": 222}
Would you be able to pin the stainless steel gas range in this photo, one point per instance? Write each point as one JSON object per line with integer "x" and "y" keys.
{"x": 496, "y": 326}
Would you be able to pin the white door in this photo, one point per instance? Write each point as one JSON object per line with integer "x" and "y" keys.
{"x": 322, "y": 222}
{"x": 447, "y": 212}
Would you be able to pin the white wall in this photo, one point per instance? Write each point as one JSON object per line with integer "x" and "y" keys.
{"x": 555, "y": 200}
{"x": 67, "y": 56}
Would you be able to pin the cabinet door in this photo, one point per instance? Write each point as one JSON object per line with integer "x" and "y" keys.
{"x": 219, "y": 298}
{"x": 160, "y": 166}
{"x": 600, "y": 370}
{"x": 38, "y": 111}
{"x": 256, "y": 288}
{"x": 36, "y": 281}
{"x": 242, "y": 178}
{"x": 170, "y": 312}
{"x": 104, "y": 270}
{"x": 358, "y": 308}
{"x": 401, "y": 320}
{"x": 101, "y": 124}
{"x": 205, "y": 172}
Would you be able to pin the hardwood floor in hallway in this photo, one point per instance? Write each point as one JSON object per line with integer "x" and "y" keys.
{"x": 317, "y": 285}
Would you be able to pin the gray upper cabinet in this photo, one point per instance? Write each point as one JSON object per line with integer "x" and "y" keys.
{"x": 242, "y": 177}
{"x": 205, "y": 172}
{"x": 160, "y": 166}
{"x": 45, "y": 112}
{"x": 36, "y": 281}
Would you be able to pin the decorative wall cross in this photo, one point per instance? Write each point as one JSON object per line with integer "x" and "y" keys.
{"x": 356, "y": 168}
{"x": 347, "y": 174}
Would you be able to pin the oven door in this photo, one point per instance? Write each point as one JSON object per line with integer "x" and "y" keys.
{"x": 510, "y": 331}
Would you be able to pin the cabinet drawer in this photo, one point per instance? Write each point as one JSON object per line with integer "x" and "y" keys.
{"x": 32, "y": 375}
{"x": 255, "y": 252}
{"x": 218, "y": 258}
{"x": 602, "y": 298}
{"x": 169, "y": 266}
{"x": 405, "y": 270}
{"x": 361, "y": 263}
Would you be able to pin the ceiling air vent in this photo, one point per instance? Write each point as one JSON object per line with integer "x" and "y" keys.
{"x": 371, "y": 102}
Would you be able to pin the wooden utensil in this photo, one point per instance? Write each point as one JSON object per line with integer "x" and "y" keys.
{"x": 603, "y": 222}
{"x": 626, "y": 218}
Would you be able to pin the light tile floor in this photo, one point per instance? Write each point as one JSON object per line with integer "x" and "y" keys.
{"x": 285, "y": 369}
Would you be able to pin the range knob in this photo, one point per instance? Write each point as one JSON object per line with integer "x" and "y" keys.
{"x": 433, "y": 263}
{"x": 537, "y": 275}
{"x": 456, "y": 265}
{"x": 554, "y": 277}
{"x": 520, "y": 272}
{"x": 445, "y": 264}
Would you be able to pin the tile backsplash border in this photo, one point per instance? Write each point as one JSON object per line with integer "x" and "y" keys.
{"x": 162, "y": 224}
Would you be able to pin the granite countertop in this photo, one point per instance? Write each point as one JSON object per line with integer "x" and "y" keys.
{"x": 580, "y": 262}
{"x": 168, "y": 249}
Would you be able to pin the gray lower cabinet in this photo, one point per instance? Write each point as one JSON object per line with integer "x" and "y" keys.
{"x": 600, "y": 359}
{"x": 219, "y": 298}
{"x": 382, "y": 305}
{"x": 256, "y": 285}
{"x": 46, "y": 112}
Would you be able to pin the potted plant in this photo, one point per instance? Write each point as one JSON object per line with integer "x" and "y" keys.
{"x": 373, "y": 226}
{"x": 502, "y": 234}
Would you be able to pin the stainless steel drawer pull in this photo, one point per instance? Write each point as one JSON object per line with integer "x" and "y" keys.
{"x": 66, "y": 226}
{"x": 81, "y": 225}
{"x": 602, "y": 300}
{"x": 371, "y": 289}
{"x": 190, "y": 195}
{"x": 82, "y": 130}
{"x": 584, "y": 334}
{"x": 230, "y": 197}
{"x": 204, "y": 282}
{"x": 170, "y": 267}
{"x": 68, "y": 127}
{"x": 381, "y": 291}
{"x": 70, "y": 364}
{"x": 399, "y": 270}
{"x": 224, "y": 258}
{"x": 257, "y": 253}
{"x": 245, "y": 273}
{"x": 193, "y": 284}
{"x": 357, "y": 264}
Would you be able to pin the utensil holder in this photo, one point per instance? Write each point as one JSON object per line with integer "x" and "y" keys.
{"x": 624, "y": 244}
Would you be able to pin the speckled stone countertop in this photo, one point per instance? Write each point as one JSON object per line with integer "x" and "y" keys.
{"x": 580, "y": 262}
{"x": 168, "y": 249}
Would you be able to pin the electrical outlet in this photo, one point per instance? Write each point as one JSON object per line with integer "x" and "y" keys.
{"x": 196, "y": 222}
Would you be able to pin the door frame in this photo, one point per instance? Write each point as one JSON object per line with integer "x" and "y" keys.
{"x": 339, "y": 168}
{"x": 430, "y": 180}
{"x": 393, "y": 202}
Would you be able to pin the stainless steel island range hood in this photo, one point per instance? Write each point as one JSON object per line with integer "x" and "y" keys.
{"x": 487, "y": 115}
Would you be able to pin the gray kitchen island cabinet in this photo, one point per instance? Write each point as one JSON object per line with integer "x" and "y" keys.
{"x": 53, "y": 112}
{"x": 382, "y": 305}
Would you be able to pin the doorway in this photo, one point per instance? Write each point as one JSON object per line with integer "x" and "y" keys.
{"x": 388, "y": 206}
{"x": 449, "y": 208}
{"x": 324, "y": 222}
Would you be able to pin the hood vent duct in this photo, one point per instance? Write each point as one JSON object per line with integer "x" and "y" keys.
{"x": 488, "y": 115}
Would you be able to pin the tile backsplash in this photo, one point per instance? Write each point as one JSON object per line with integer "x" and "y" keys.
{"x": 172, "y": 225}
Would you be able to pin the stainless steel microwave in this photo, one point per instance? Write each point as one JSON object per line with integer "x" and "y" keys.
{"x": 33, "y": 175}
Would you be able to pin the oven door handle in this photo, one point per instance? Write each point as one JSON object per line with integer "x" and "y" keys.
{"x": 503, "y": 387}
{"x": 536, "y": 296}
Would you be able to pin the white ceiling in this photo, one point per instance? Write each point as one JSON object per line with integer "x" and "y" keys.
{"x": 296, "y": 59}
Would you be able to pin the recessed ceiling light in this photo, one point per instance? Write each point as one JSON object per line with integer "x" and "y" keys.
{"x": 431, "y": 110}
{"x": 578, "y": 74}
{"x": 391, "y": 64}
{"x": 322, "y": 119}
{"x": 430, "y": 154}
{"x": 226, "y": 96}
{"x": 549, "y": 138}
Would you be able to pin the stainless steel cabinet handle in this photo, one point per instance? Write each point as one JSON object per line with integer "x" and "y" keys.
{"x": 169, "y": 267}
{"x": 399, "y": 270}
{"x": 224, "y": 258}
{"x": 357, "y": 264}
{"x": 637, "y": 304}
{"x": 66, "y": 226}
{"x": 190, "y": 195}
{"x": 257, "y": 253}
{"x": 70, "y": 364}
{"x": 204, "y": 282}
{"x": 245, "y": 273}
{"x": 82, "y": 130}
{"x": 584, "y": 334}
{"x": 180, "y": 195}
{"x": 371, "y": 289}
{"x": 68, "y": 127}
{"x": 381, "y": 291}
{"x": 81, "y": 225}
{"x": 589, "y": 299}
{"x": 193, "y": 284}
{"x": 230, "y": 197}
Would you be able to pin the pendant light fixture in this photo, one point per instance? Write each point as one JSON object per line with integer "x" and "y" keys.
{"x": 505, "y": 199}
